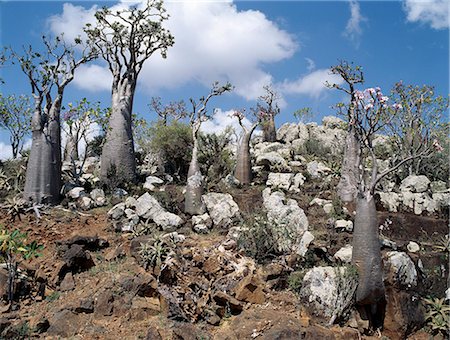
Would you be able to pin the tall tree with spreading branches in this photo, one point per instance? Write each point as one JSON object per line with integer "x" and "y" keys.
{"x": 49, "y": 72}
{"x": 352, "y": 76}
{"x": 194, "y": 188}
{"x": 126, "y": 39}
{"x": 372, "y": 114}
{"x": 243, "y": 170}
{"x": 174, "y": 111}
{"x": 15, "y": 116}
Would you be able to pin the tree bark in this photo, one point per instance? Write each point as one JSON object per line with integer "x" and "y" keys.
{"x": 118, "y": 151}
{"x": 193, "y": 203}
{"x": 347, "y": 187}
{"x": 269, "y": 130}
{"x": 43, "y": 176}
{"x": 367, "y": 258}
{"x": 71, "y": 148}
{"x": 243, "y": 170}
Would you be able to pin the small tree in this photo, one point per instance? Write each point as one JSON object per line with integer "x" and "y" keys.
{"x": 49, "y": 72}
{"x": 126, "y": 39}
{"x": 267, "y": 108}
{"x": 13, "y": 249}
{"x": 78, "y": 120}
{"x": 243, "y": 170}
{"x": 371, "y": 115}
{"x": 304, "y": 114}
{"x": 15, "y": 116}
{"x": 172, "y": 111}
{"x": 194, "y": 188}
{"x": 348, "y": 184}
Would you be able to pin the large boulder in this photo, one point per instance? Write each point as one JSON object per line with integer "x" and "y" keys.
{"x": 328, "y": 138}
{"x": 400, "y": 269}
{"x": 152, "y": 182}
{"x": 280, "y": 180}
{"x": 148, "y": 207}
{"x": 327, "y": 292}
{"x": 289, "y": 220}
{"x": 414, "y": 183}
{"x": 99, "y": 197}
{"x": 333, "y": 122}
{"x": 221, "y": 207}
{"x": 317, "y": 169}
{"x": 273, "y": 160}
{"x": 288, "y": 132}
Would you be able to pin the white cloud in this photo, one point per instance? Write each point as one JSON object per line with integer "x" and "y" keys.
{"x": 313, "y": 84}
{"x": 93, "y": 78}
{"x": 5, "y": 151}
{"x": 311, "y": 64}
{"x": 432, "y": 12}
{"x": 213, "y": 41}
{"x": 93, "y": 131}
{"x": 221, "y": 120}
{"x": 353, "y": 30}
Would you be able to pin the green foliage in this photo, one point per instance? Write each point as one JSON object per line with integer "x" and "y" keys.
{"x": 216, "y": 161}
{"x": 14, "y": 248}
{"x": 443, "y": 245}
{"x": 53, "y": 296}
{"x": 15, "y": 117}
{"x": 438, "y": 315}
{"x": 257, "y": 238}
{"x": 155, "y": 252}
{"x": 173, "y": 144}
{"x": 295, "y": 280}
{"x": 315, "y": 148}
{"x": 304, "y": 114}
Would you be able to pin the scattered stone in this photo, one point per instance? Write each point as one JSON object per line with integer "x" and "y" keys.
{"x": 290, "y": 221}
{"x": 274, "y": 161}
{"x": 305, "y": 241}
{"x": 413, "y": 247}
{"x": 117, "y": 211}
{"x": 86, "y": 306}
{"x": 99, "y": 197}
{"x": 104, "y": 303}
{"x": 250, "y": 289}
{"x": 386, "y": 243}
{"x": 174, "y": 237}
{"x": 344, "y": 254}
{"x": 120, "y": 193}
{"x": 280, "y": 180}
{"x": 77, "y": 259}
{"x": 288, "y": 132}
{"x": 328, "y": 208}
{"x": 201, "y": 228}
{"x": 64, "y": 323}
{"x": 400, "y": 269}
{"x": 131, "y": 202}
{"x": 68, "y": 283}
{"x": 144, "y": 307}
{"x": 317, "y": 169}
{"x": 204, "y": 219}
{"x": 327, "y": 292}
{"x": 225, "y": 300}
{"x": 344, "y": 225}
{"x": 415, "y": 183}
{"x": 148, "y": 207}
{"x": 85, "y": 203}
{"x": 222, "y": 208}
{"x": 76, "y": 193}
{"x": 438, "y": 187}
{"x": 152, "y": 182}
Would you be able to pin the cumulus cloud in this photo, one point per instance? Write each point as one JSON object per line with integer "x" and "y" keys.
{"x": 312, "y": 84}
{"x": 311, "y": 65}
{"x": 432, "y": 12}
{"x": 221, "y": 120}
{"x": 353, "y": 30}
{"x": 5, "y": 151}
{"x": 213, "y": 41}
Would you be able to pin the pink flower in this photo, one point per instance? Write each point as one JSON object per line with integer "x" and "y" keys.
{"x": 368, "y": 107}
{"x": 438, "y": 147}
{"x": 370, "y": 91}
{"x": 359, "y": 95}
{"x": 397, "y": 106}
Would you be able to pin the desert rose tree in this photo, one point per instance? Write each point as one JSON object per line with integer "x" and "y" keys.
{"x": 194, "y": 188}
{"x": 348, "y": 183}
{"x": 49, "y": 72}
{"x": 374, "y": 114}
{"x": 126, "y": 39}
{"x": 267, "y": 108}
{"x": 243, "y": 170}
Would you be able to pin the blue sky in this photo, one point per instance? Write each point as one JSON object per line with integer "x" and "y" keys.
{"x": 250, "y": 43}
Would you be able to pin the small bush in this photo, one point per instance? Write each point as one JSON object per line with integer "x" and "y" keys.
{"x": 173, "y": 144}
{"x": 216, "y": 161}
{"x": 295, "y": 281}
{"x": 257, "y": 239}
{"x": 154, "y": 253}
{"x": 438, "y": 315}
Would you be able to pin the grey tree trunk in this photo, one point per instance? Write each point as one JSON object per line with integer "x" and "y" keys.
{"x": 118, "y": 151}
{"x": 71, "y": 149}
{"x": 243, "y": 170}
{"x": 193, "y": 203}
{"x": 347, "y": 187}
{"x": 367, "y": 258}
{"x": 43, "y": 176}
{"x": 269, "y": 130}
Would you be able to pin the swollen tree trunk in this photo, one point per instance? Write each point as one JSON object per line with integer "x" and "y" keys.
{"x": 118, "y": 151}
{"x": 269, "y": 130}
{"x": 348, "y": 184}
{"x": 71, "y": 149}
{"x": 243, "y": 171}
{"x": 194, "y": 188}
{"x": 43, "y": 176}
{"x": 366, "y": 256}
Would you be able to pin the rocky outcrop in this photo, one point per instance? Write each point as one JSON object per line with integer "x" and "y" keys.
{"x": 222, "y": 208}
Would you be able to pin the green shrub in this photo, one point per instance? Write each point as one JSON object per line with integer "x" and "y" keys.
{"x": 216, "y": 161}
{"x": 295, "y": 280}
{"x": 172, "y": 143}
{"x": 438, "y": 315}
